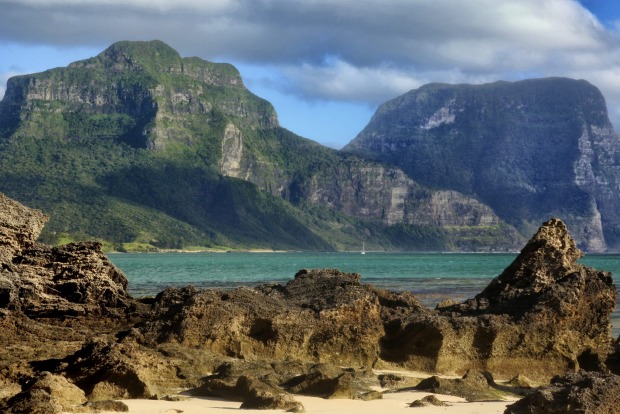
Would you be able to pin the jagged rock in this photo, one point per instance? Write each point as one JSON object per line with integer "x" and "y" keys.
{"x": 474, "y": 386}
{"x": 53, "y": 299}
{"x": 72, "y": 280}
{"x": 543, "y": 315}
{"x": 40, "y": 281}
{"x": 19, "y": 228}
{"x": 120, "y": 370}
{"x": 320, "y": 316}
{"x": 48, "y": 394}
{"x": 580, "y": 392}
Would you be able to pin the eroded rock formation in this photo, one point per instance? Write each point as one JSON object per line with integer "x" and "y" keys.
{"x": 580, "y": 392}
{"x": 544, "y": 314}
{"x": 66, "y": 311}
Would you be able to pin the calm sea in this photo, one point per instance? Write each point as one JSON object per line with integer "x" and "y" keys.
{"x": 430, "y": 276}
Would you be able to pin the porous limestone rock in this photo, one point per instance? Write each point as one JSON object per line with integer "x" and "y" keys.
{"x": 543, "y": 315}
{"x": 41, "y": 281}
{"x": 320, "y": 316}
{"x": 578, "y": 392}
{"x": 71, "y": 280}
{"x": 47, "y": 394}
{"x": 19, "y": 228}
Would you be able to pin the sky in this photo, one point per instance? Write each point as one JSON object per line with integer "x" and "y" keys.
{"x": 326, "y": 65}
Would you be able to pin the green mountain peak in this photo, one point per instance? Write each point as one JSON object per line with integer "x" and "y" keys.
{"x": 150, "y": 56}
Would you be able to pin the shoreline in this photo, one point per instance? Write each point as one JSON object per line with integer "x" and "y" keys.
{"x": 392, "y": 402}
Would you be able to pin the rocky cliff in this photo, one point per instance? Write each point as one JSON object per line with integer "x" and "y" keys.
{"x": 528, "y": 149}
{"x": 139, "y": 145}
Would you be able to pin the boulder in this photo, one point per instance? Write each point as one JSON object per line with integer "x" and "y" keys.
{"x": 428, "y": 400}
{"x": 474, "y": 386}
{"x": 117, "y": 370}
{"x": 260, "y": 395}
{"x": 329, "y": 381}
{"x": 107, "y": 405}
{"x": 47, "y": 394}
{"x": 578, "y": 392}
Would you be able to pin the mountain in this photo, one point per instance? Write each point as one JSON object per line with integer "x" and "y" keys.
{"x": 140, "y": 147}
{"x": 530, "y": 150}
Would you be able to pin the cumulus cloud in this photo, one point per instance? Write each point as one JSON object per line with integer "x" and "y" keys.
{"x": 353, "y": 51}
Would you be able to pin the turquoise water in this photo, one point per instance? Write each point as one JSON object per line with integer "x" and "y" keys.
{"x": 430, "y": 276}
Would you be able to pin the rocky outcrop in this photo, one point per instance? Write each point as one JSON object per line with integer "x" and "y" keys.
{"x": 319, "y": 334}
{"x": 46, "y": 394}
{"x": 320, "y": 316}
{"x": 578, "y": 392}
{"x": 51, "y": 301}
{"x": 19, "y": 228}
{"x": 76, "y": 279}
{"x": 523, "y": 148}
{"x": 42, "y": 282}
{"x": 543, "y": 315}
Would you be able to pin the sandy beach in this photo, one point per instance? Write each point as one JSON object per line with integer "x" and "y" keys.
{"x": 392, "y": 403}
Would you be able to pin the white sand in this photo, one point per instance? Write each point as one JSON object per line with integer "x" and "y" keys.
{"x": 392, "y": 403}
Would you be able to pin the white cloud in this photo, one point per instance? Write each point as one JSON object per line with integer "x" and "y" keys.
{"x": 352, "y": 51}
{"x": 156, "y": 5}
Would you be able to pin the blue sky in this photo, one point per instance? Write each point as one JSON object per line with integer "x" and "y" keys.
{"x": 326, "y": 65}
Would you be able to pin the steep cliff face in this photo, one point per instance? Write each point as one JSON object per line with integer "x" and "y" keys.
{"x": 386, "y": 194}
{"x": 528, "y": 149}
{"x": 143, "y": 91}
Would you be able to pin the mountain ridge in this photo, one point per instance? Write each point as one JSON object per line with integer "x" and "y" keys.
{"x": 141, "y": 146}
